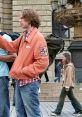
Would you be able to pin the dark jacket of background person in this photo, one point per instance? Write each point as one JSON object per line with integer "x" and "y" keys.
{"x": 58, "y": 69}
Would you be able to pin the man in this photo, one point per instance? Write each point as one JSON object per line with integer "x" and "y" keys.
{"x": 32, "y": 59}
{"x": 4, "y": 80}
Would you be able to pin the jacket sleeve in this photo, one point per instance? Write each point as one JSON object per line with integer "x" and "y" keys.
{"x": 10, "y": 46}
{"x": 41, "y": 60}
{"x": 69, "y": 77}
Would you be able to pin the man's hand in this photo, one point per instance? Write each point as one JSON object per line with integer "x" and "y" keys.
{"x": 12, "y": 57}
{"x": 67, "y": 89}
{"x": 8, "y": 58}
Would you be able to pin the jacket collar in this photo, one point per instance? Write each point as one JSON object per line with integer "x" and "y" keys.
{"x": 30, "y": 37}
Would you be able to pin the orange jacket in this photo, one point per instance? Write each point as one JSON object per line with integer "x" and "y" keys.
{"x": 32, "y": 56}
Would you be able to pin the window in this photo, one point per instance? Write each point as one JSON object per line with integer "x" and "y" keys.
{"x": 59, "y": 29}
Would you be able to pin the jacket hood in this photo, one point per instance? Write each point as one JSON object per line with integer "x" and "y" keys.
{"x": 70, "y": 64}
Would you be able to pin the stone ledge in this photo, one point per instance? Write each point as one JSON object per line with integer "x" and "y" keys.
{"x": 51, "y": 92}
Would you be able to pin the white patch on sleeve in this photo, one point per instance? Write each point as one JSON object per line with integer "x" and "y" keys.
{"x": 43, "y": 51}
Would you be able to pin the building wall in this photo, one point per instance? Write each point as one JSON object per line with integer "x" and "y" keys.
{"x": 6, "y": 15}
{"x": 0, "y": 14}
{"x": 43, "y": 8}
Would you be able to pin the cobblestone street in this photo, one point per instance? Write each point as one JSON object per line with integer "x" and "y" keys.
{"x": 47, "y": 107}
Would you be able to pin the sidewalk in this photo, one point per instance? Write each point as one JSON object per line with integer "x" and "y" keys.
{"x": 47, "y": 107}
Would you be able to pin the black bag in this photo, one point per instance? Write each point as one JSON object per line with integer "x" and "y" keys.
{"x": 55, "y": 44}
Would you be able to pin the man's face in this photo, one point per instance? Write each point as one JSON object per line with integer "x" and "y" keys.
{"x": 24, "y": 24}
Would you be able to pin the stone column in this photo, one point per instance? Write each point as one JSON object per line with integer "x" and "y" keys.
{"x": 7, "y": 15}
{"x": 1, "y": 15}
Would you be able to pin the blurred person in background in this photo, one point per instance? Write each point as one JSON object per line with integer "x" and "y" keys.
{"x": 58, "y": 68}
{"x": 68, "y": 86}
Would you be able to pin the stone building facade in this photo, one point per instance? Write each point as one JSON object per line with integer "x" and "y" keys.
{"x": 43, "y": 8}
{"x": 6, "y": 15}
{"x": 10, "y": 13}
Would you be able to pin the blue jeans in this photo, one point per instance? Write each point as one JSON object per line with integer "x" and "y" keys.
{"x": 57, "y": 79}
{"x": 4, "y": 97}
{"x": 26, "y": 100}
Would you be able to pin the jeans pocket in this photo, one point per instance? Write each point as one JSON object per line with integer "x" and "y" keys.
{"x": 32, "y": 87}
